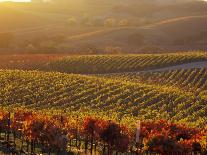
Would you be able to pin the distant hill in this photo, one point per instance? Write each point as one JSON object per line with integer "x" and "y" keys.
{"x": 175, "y": 33}
{"x": 152, "y": 28}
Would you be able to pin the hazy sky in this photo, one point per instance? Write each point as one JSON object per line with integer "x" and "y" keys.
{"x": 16, "y": 0}
{"x": 29, "y": 0}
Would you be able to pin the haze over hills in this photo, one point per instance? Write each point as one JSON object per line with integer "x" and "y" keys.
{"x": 104, "y": 26}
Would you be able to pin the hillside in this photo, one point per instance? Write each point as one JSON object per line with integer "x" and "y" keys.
{"x": 162, "y": 36}
{"x": 154, "y": 28}
{"x": 177, "y": 95}
{"x": 192, "y": 80}
{"x": 129, "y": 88}
{"x": 39, "y": 90}
{"x": 170, "y": 34}
{"x": 104, "y": 63}
{"x": 103, "y": 77}
{"x": 120, "y": 63}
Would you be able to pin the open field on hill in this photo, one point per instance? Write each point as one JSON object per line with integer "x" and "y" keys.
{"x": 161, "y": 36}
{"x": 39, "y": 90}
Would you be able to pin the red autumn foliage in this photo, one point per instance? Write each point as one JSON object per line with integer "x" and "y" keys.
{"x": 164, "y": 137}
{"x": 159, "y": 136}
{"x": 4, "y": 115}
{"x": 109, "y": 132}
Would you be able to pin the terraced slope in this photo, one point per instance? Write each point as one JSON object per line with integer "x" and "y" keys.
{"x": 121, "y": 63}
{"x": 70, "y": 92}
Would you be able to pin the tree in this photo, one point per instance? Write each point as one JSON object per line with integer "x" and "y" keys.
{"x": 123, "y": 22}
{"x": 115, "y": 137}
{"x": 72, "y": 21}
{"x": 110, "y": 22}
{"x": 113, "y": 50}
{"x": 90, "y": 48}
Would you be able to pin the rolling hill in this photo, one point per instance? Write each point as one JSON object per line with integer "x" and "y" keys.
{"x": 93, "y": 64}
{"x": 176, "y": 95}
{"x": 188, "y": 80}
{"x": 120, "y": 63}
{"x": 184, "y": 31}
{"x": 39, "y": 90}
{"x": 93, "y": 74}
{"x": 170, "y": 34}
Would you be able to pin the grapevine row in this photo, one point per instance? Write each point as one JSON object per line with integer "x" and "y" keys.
{"x": 39, "y": 90}
{"x": 120, "y": 63}
{"x": 192, "y": 80}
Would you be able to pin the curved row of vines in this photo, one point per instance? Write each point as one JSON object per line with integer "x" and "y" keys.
{"x": 39, "y": 90}
{"x": 95, "y": 64}
{"x": 193, "y": 80}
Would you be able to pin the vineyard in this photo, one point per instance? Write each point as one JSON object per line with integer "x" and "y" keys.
{"x": 121, "y": 63}
{"x": 40, "y": 90}
{"x": 45, "y": 133}
{"x": 103, "y": 77}
{"x": 46, "y": 111}
{"x": 95, "y": 64}
{"x": 189, "y": 80}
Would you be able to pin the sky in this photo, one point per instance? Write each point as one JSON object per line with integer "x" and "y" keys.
{"x": 26, "y": 0}
{"x": 16, "y": 0}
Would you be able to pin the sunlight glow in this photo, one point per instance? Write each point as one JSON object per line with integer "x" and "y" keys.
{"x": 15, "y": 0}
{"x": 43, "y": 0}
